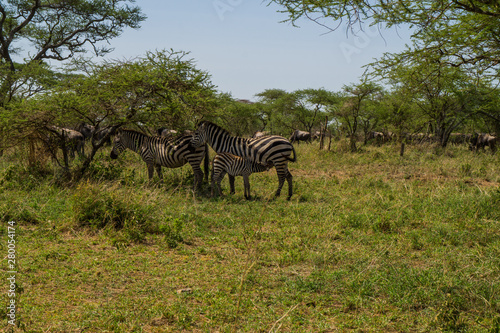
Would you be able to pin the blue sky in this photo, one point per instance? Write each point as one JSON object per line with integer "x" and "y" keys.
{"x": 246, "y": 49}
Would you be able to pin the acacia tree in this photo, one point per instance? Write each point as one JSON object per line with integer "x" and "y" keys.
{"x": 445, "y": 95}
{"x": 301, "y": 109}
{"x": 273, "y": 109}
{"x": 160, "y": 87}
{"x": 55, "y": 30}
{"x": 464, "y": 31}
{"x": 238, "y": 116}
{"x": 311, "y": 105}
{"x": 355, "y": 106}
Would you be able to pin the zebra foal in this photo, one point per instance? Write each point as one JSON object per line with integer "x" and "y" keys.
{"x": 234, "y": 166}
{"x": 158, "y": 152}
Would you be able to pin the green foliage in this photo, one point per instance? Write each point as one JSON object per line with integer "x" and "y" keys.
{"x": 239, "y": 117}
{"x": 97, "y": 209}
{"x": 104, "y": 170}
{"x": 56, "y": 32}
{"x": 305, "y": 109}
{"x": 369, "y": 241}
{"x": 463, "y": 32}
{"x": 172, "y": 231}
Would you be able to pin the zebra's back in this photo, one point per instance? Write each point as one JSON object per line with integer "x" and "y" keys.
{"x": 236, "y": 165}
{"x": 174, "y": 153}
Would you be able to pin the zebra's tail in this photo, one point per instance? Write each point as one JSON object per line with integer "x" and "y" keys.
{"x": 294, "y": 159}
{"x": 206, "y": 163}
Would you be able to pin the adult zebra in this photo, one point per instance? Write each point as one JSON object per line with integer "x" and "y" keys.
{"x": 272, "y": 149}
{"x": 157, "y": 152}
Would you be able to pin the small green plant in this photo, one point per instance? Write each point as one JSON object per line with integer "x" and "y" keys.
{"x": 465, "y": 170}
{"x": 172, "y": 232}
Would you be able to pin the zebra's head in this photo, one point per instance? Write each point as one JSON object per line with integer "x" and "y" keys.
{"x": 200, "y": 136}
{"x": 118, "y": 146}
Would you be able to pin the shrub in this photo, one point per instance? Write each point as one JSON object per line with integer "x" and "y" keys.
{"x": 98, "y": 208}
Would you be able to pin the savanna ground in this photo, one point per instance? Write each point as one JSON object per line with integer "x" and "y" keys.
{"x": 370, "y": 242}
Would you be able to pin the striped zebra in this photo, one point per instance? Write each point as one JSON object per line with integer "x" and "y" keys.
{"x": 157, "y": 152}
{"x": 268, "y": 150}
{"x": 234, "y": 166}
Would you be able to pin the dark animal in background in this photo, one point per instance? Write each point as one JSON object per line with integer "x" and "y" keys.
{"x": 316, "y": 135}
{"x": 157, "y": 152}
{"x": 86, "y": 130}
{"x": 268, "y": 150}
{"x": 234, "y": 166}
{"x": 459, "y": 138}
{"x": 73, "y": 140}
{"x": 298, "y": 136}
{"x": 479, "y": 141}
{"x": 90, "y": 132}
{"x": 377, "y": 137}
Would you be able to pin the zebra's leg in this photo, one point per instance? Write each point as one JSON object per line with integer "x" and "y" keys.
{"x": 150, "y": 170}
{"x": 289, "y": 179}
{"x": 158, "y": 171}
{"x": 198, "y": 174}
{"x": 212, "y": 184}
{"x": 231, "y": 184}
{"x": 215, "y": 178}
{"x": 281, "y": 170}
{"x": 246, "y": 183}
{"x": 218, "y": 180}
{"x": 198, "y": 177}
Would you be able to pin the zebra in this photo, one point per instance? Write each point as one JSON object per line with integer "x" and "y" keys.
{"x": 234, "y": 166}
{"x": 273, "y": 149}
{"x": 157, "y": 152}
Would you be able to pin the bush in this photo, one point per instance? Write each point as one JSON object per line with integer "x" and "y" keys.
{"x": 172, "y": 232}
{"x": 104, "y": 170}
{"x": 98, "y": 208}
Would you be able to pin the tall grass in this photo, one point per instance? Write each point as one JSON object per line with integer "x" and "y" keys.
{"x": 369, "y": 242}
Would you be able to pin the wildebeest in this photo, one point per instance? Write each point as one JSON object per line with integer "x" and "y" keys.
{"x": 86, "y": 130}
{"x": 482, "y": 140}
{"x": 298, "y": 136}
{"x": 71, "y": 139}
{"x": 459, "y": 138}
{"x": 378, "y": 137}
{"x": 316, "y": 135}
{"x": 89, "y": 132}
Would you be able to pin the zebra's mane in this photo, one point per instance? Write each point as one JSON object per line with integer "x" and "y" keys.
{"x": 209, "y": 123}
{"x": 170, "y": 141}
{"x": 132, "y": 131}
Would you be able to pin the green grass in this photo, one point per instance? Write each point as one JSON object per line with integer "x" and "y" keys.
{"x": 370, "y": 242}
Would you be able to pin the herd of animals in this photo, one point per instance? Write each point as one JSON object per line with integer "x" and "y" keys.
{"x": 236, "y": 156}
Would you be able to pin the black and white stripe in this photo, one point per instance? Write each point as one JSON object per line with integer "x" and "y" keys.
{"x": 157, "y": 152}
{"x": 268, "y": 150}
{"x": 234, "y": 166}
